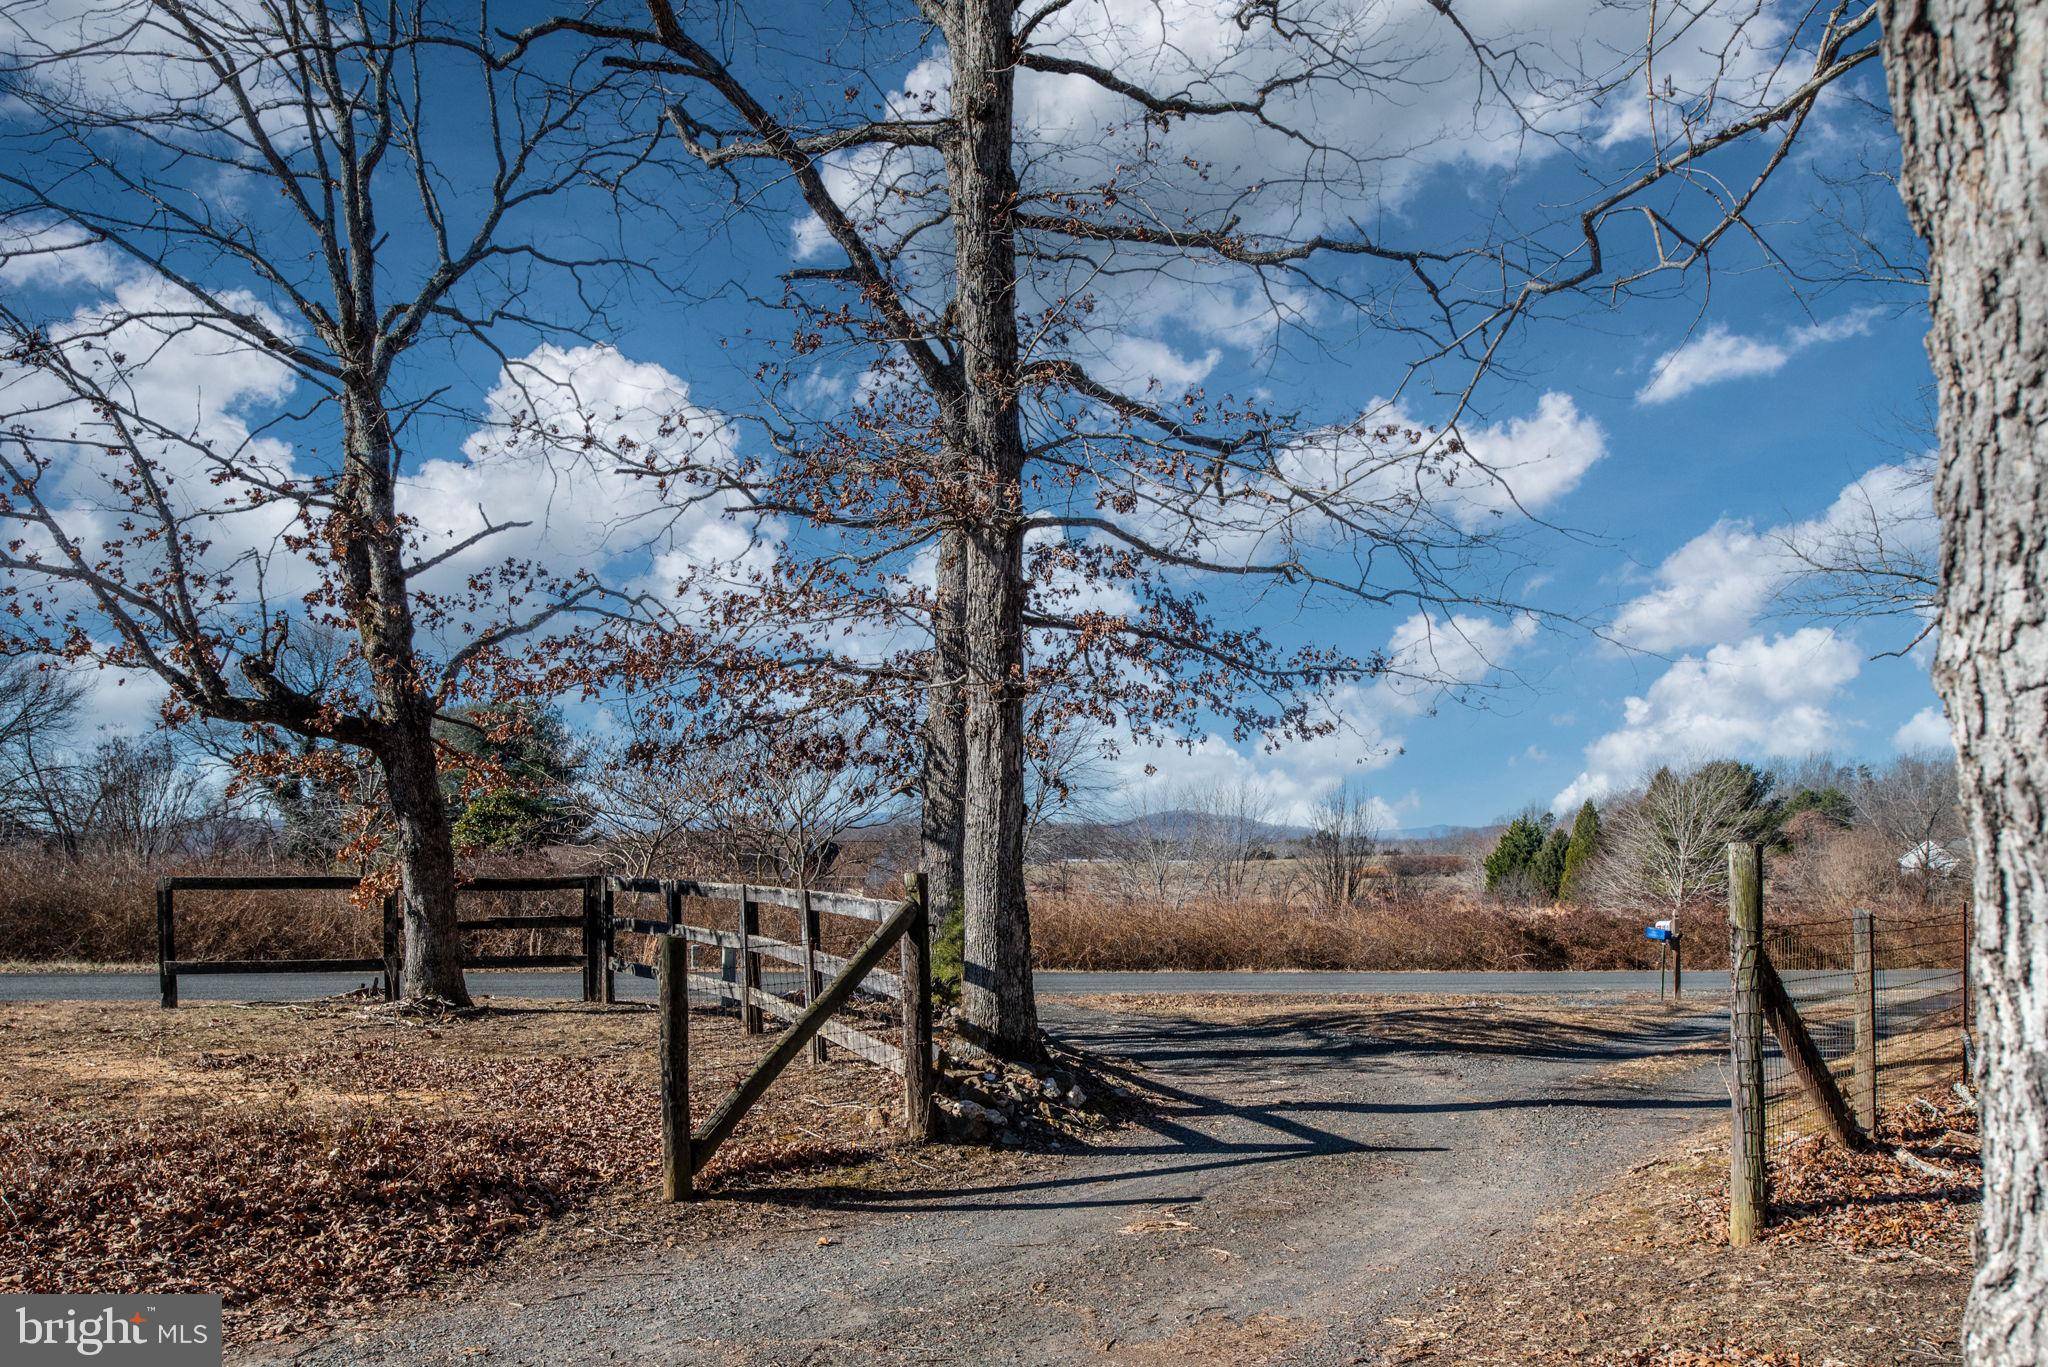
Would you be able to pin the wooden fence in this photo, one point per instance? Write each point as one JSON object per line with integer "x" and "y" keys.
{"x": 1813, "y": 998}
{"x": 904, "y": 925}
{"x": 590, "y": 918}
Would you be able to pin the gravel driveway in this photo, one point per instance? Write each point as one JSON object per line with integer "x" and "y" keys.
{"x": 1305, "y": 1182}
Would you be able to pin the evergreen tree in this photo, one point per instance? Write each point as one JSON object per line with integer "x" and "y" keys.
{"x": 1546, "y": 870}
{"x": 1507, "y": 868}
{"x": 517, "y": 792}
{"x": 1831, "y": 802}
{"x": 1578, "y": 857}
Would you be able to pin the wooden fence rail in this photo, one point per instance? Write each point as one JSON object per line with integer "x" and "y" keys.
{"x": 389, "y": 964}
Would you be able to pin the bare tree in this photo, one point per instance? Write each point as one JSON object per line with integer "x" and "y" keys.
{"x": 1913, "y": 807}
{"x": 393, "y": 185}
{"x": 645, "y": 810}
{"x": 1665, "y": 848}
{"x": 782, "y": 801}
{"x": 1343, "y": 837}
{"x": 971, "y": 257}
{"x": 1149, "y": 856}
{"x": 39, "y": 707}
{"x": 135, "y": 797}
{"x": 1229, "y": 833}
{"x": 1065, "y": 783}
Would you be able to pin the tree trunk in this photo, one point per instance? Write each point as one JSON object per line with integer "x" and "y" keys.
{"x": 367, "y": 542}
{"x": 1001, "y": 1012}
{"x": 945, "y": 734}
{"x": 426, "y": 866}
{"x": 1969, "y": 88}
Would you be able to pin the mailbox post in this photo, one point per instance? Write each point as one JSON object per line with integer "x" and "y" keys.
{"x": 1669, "y": 957}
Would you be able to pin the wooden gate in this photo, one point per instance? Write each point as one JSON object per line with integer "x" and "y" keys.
{"x": 903, "y": 925}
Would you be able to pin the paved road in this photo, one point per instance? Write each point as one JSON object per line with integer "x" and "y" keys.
{"x": 1306, "y": 1178}
{"x": 1707, "y": 986}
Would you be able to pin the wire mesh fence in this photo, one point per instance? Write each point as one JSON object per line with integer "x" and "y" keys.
{"x": 1915, "y": 989}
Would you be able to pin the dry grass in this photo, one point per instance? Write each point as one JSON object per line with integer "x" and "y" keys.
{"x": 303, "y": 1160}
{"x": 1090, "y": 931}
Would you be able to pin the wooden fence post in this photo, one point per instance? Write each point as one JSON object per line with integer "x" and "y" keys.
{"x": 917, "y": 1011}
{"x": 814, "y": 978}
{"x": 1863, "y": 947}
{"x": 1748, "y": 1195}
{"x": 166, "y": 945}
{"x": 674, "y": 974}
{"x": 391, "y": 965}
{"x": 592, "y": 945}
{"x": 750, "y": 962}
{"x": 1677, "y": 943}
{"x": 608, "y": 941}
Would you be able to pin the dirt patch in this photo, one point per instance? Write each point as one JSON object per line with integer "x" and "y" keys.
{"x": 310, "y": 1160}
{"x": 1866, "y": 1259}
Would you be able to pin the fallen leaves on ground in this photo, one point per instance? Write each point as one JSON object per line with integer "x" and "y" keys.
{"x": 327, "y": 1159}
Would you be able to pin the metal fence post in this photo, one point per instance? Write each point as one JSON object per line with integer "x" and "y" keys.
{"x": 674, "y": 975}
{"x": 1863, "y": 946}
{"x": 166, "y": 945}
{"x": 916, "y": 963}
{"x": 1748, "y": 1194}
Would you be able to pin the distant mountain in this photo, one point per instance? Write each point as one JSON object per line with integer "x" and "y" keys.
{"x": 1436, "y": 832}
{"x": 1181, "y": 822}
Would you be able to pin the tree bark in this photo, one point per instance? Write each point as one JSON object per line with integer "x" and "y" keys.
{"x": 945, "y": 733}
{"x": 1000, "y": 1011}
{"x": 1969, "y": 89}
{"x": 426, "y": 866}
{"x": 368, "y": 546}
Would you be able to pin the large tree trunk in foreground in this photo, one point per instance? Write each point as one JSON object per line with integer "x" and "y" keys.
{"x": 1969, "y": 87}
{"x": 945, "y": 733}
{"x": 1001, "y": 1012}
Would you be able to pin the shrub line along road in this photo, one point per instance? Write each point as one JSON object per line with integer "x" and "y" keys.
{"x": 142, "y": 986}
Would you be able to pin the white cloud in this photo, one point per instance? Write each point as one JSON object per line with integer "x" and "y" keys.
{"x": 1291, "y": 782}
{"x": 1428, "y": 656}
{"x": 1528, "y": 464}
{"x": 1927, "y": 729}
{"x": 557, "y": 429}
{"x": 1711, "y": 589}
{"x": 1754, "y": 698}
{"x": 1138, "y": 364}
{"x": 1717, "y": 354}
{"x": 1715, "y": 586}
{"x": 49, "y": 256}
{"x": 1385, "y": 468}
{"x": 1375, "y": 142}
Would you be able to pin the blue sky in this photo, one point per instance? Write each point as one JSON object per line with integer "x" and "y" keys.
{"x": 1663, "y": 441}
